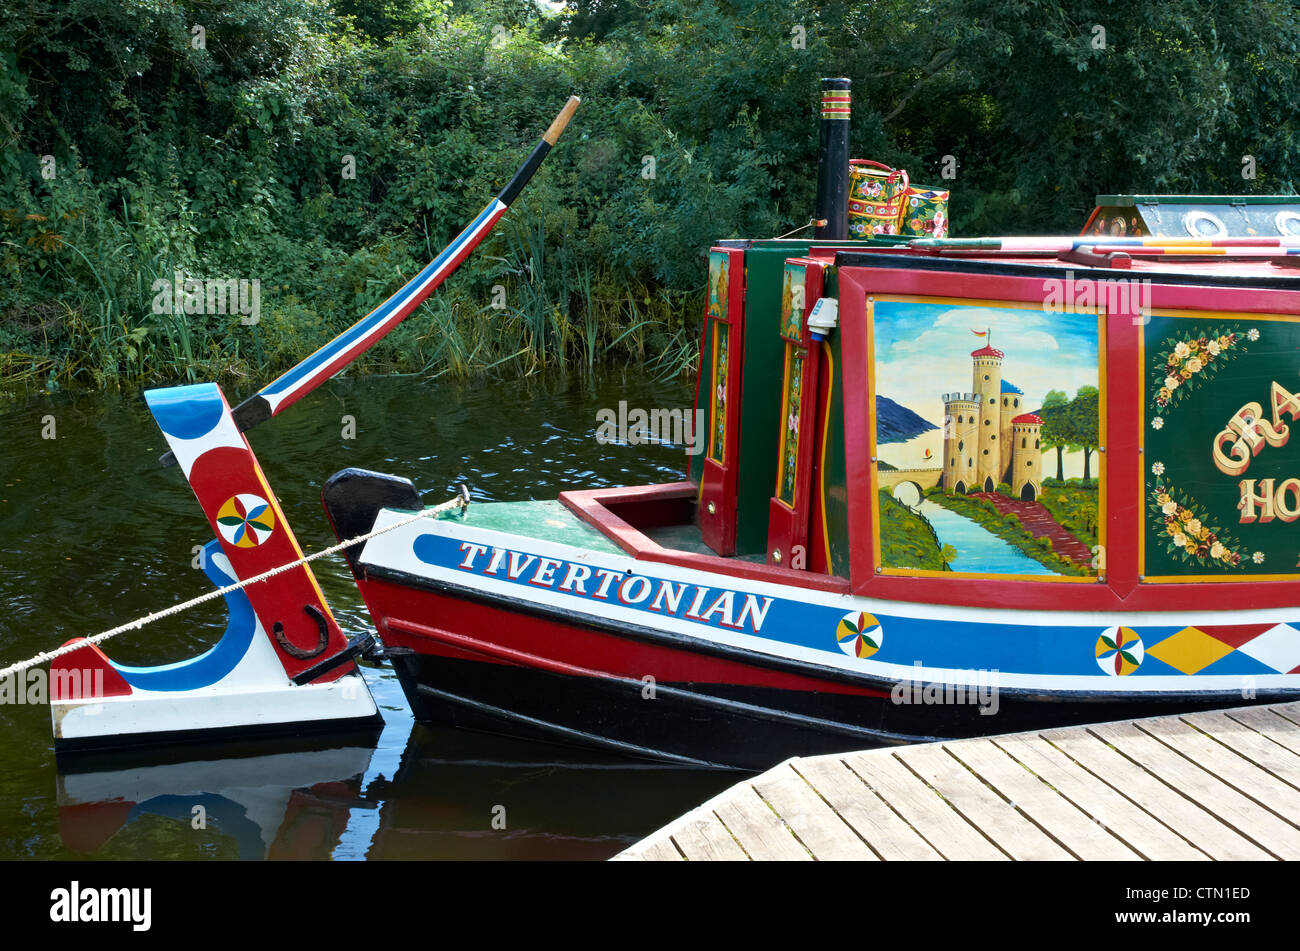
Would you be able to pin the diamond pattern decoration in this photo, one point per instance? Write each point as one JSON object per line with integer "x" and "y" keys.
{"x": 1190, "y": 650}
{"x": 1277, "y": 648}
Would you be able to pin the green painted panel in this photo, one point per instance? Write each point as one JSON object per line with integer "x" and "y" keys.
{"x": 1222, "y": 475}
{"x": 760, "y": 411}
{"x": 761, "y": 387}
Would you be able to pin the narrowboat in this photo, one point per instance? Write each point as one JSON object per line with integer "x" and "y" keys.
{"x": 945, "y": 487}
{"x": 948, "y": 488}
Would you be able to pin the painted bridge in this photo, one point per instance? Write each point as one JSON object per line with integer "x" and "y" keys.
{"x": 924, "y": 478}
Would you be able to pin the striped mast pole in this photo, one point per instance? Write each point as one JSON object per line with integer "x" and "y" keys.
{"x": 833, "y": 162}
{"x": 294, "y": 384}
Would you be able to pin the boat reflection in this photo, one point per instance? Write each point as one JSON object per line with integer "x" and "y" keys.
{"x": 460, "y": 795}
{"x": 284, "y": 805}
{"x": 443, "y": 794}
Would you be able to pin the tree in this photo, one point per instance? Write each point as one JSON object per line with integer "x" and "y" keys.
{"x": 1083, "y": 415}
{"x": 1052, "y": 414}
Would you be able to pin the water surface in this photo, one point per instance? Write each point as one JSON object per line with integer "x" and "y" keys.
{"x": 94, "y": 533}
{"x": 978, "y": 549}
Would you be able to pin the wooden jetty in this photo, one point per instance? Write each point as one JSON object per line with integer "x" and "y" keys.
{"x": 1216, "y": 785}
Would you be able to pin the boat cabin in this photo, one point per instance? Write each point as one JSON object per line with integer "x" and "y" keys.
{"x": 1048, "y": 423}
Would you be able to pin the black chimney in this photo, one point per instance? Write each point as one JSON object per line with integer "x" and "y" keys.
{"x": 833, "y": 162}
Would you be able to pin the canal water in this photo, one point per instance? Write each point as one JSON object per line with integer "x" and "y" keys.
{"x": 978, "y": 549}
{"x": 94, "y": 533}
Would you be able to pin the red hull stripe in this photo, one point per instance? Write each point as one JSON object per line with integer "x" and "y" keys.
{"x": 521, "y": 638}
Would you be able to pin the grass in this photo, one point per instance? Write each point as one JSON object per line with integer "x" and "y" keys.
{"x": 78, "y": 311}
{"x": 907, "y": 539}
{"x": 1073, "y": 503}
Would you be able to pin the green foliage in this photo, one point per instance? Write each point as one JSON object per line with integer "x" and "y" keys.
{"x": 226, "y": 158}
{"x": 1073, "y": 504}
{"x": 908, "y": 540}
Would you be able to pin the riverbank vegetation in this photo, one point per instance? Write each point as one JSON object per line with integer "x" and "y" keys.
{"x": 326, "y": 149}
{"x": 908, "y": 540}
{"x": 1074, "y": 504}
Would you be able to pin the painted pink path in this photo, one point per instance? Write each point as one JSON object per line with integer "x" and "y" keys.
{"x": 1039, "y": 522}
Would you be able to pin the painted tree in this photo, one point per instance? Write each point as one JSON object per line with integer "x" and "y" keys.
{"x": 1054, "y": 426}
{"x": 1083, "y": 415}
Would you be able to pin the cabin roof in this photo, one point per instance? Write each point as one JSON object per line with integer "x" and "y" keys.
{"x": 1252, "y": 271}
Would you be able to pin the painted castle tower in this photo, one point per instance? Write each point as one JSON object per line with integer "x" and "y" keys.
{"x": 988, "y": 439}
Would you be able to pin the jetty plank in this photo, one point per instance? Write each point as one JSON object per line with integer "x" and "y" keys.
{"x": 855, "y": 803}
{"x": 1230, "y": 767}
{"x": 1031, "y": 794}
{"x": 826, "y": 835}
{"x": 1248, "y": 819}
{"x": 921, "y": 807}
{"x": 660, "y": 851}
{"x": 1145, "y": 790}
{"x": 1250, "y": 743}
{"x": 1276, "y": 727}
{"x": 996, "y": 817}
{"x": 757, "y": 828}
{"x": 704, "y": 838}
{"x": 1110, "y": 812}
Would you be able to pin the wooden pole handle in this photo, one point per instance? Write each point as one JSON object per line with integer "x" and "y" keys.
{"x": 562, "y": 120}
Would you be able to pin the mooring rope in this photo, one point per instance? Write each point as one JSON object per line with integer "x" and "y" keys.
{"x": 461, "y": 501}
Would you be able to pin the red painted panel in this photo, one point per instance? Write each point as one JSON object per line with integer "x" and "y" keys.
{"x": 83, "y": 675}
{"x": 218, "y": 476}
{"x": 718, "y": 510}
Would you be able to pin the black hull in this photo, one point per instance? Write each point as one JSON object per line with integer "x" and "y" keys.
{"x": 720, "y": 725}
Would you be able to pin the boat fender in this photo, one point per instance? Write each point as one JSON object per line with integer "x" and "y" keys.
{"x": 298, "y": 653}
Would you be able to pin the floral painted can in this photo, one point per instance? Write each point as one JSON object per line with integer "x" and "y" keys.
{"x": 924, "y": 212}
{"x": 876, "y": 195}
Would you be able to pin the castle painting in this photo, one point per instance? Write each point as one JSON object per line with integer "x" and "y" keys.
{"x": 989, "y": 439}
{"x": 999, "y": 472}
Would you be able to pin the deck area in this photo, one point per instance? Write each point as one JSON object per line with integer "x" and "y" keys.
{"x": 1217, "y": 785}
